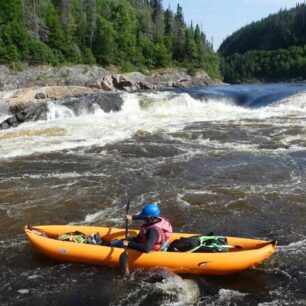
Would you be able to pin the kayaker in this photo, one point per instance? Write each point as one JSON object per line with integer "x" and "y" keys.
{"x": 154, "y": 233}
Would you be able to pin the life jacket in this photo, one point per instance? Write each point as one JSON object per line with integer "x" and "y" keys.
{"x": 163, "y": 227}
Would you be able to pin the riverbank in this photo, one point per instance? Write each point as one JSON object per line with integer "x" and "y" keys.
{"x": 19, "y": 89}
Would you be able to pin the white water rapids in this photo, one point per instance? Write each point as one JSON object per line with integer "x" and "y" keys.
{"x": 156, "y": 112}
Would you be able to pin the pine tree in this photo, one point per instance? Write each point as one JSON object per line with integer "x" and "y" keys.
{"x": 129, "y": 33}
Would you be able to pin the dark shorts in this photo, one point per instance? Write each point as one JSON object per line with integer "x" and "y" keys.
{"x": 119, "y": 243}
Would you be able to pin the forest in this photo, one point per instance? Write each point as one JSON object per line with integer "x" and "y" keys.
{"x": 272, "y": 49}
{"x": 129, "y": 34}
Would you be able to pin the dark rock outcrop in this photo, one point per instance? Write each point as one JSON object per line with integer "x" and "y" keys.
{"x": 33, "y": 113}
{"x": 41, "y": 95}
{"x": 106, "y": 101}
{"x": 85, "y": 103}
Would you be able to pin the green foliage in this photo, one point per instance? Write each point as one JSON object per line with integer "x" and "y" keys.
{"x": 56, "y": 38}
{"x": 133, "y": 34}
{"x": 125, "y": 25}
{"x": 13, "y": 36}
{"x": 127, "y": 67}
{"x": 104, "y": 45}
{"x": 281, "y": 64}
{"x": 191, "y": 70}
{"x": 40, "y": 53}
{"x": 270, "y": 49}
{"x": 88, "y": 57}
{"x": 11, "y": 54}
{"x": 278, "y": 31}
{"x": 16, "y": 66}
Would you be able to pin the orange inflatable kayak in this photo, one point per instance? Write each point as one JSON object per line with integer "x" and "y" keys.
{"x": 249, "y": 252}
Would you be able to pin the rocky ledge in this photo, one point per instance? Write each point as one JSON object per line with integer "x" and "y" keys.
{"x": 24, "y": 94}
{"x": 99, "y": 78}
{"x": 87, "y": 102}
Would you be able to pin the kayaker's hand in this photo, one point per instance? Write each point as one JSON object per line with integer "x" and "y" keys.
{"x": 125, "y": 243}
{"x": 129, "y": 218}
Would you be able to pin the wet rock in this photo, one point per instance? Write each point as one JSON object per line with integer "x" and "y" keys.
{"x": 144, "y": 86}
{"x": 4, "y": 125}
{"x": 87, "y": 103}
{"x": 20, "y": 116}
{"x": 12, "y": 120}
{"x": 41, "y": 95}
{"x": 20, "y": 99}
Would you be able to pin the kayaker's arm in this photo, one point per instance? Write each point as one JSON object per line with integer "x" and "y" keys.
{"x": 148, "y": 246}
{"x": 137, "y": 217}
{"x": 130, "y": 218}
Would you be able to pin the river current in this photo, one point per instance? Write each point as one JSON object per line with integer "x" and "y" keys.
{"x": 227, "y": 159}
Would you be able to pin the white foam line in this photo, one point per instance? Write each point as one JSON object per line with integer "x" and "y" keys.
{"x": 294, "y": 246}
{"x": 62, "y": 175}
{"x": 219, "y": 146}
{"x": 111, "y": 215}
{"x": 4, "y": 117}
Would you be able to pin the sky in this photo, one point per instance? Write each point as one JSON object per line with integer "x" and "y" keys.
{"x": 220, "y": 18}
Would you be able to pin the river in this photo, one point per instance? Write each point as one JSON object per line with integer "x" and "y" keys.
{"x": 227, "y": 159}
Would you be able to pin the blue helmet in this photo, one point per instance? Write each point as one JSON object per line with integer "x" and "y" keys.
{"x": 150, "y": 210}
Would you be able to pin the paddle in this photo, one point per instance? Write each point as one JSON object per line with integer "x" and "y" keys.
{"x": 123, "y": 259}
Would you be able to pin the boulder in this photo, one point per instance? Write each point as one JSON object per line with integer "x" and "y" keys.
{"x": 41, "y": 95}
{"x": 130, "y": 82}
{"x": 124, "y": 84}
{"x": 4, "y": 126}
{"x": 107, "y": 83}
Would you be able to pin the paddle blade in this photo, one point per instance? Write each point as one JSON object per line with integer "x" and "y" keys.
{"x": 124, "y": 264}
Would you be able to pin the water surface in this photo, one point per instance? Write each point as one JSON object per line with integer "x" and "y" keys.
{"x": 228, "y": 159}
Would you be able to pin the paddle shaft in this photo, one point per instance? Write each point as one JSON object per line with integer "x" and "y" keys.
{"x": 126, "y": 221}
{"x": 123, "y": 259}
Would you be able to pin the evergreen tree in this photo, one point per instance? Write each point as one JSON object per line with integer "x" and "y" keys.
{"x": 270, "y": 49}
{"x": 179, "y": 17}
{"x": 157, "y": 15}
{"x": 13, "y": 37}
{"x": 168, "y": 20}
{"x": 104, "y": 45}
{"x": 129, "y": 33}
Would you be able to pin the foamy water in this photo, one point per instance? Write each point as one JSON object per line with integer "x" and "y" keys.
{"x": 159, "y": 112}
